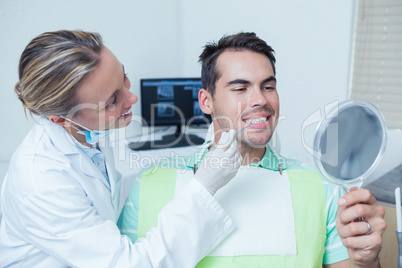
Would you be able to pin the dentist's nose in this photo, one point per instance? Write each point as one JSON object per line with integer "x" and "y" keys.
{"x": 131, "y": 98}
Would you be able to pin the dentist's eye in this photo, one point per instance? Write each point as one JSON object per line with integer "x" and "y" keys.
{"x": 126, "y": 81}
{"x": 112, "y": 106}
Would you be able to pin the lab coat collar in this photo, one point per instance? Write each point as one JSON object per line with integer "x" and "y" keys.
{"x": 70, "y": 149}
{"x": 115, "y": 180}
{"x": 56, "y": 132}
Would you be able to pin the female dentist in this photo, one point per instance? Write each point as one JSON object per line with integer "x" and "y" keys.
{"x": 60, "y": 195}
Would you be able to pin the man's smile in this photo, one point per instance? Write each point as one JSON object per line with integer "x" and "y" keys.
{"x": 258, "y": 121}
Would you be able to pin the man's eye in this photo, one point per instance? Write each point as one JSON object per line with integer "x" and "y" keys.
{"x": 239, "y": 89}
{"x": 269, "y": 88}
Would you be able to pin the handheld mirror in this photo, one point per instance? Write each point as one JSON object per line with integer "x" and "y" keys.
{"x": 350, "y": 142}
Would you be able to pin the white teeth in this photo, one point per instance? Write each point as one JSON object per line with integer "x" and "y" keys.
{"x": 125, "y": 114}
{"x": 256, "y": 120}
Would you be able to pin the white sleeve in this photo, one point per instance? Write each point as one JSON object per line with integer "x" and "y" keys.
{"x": 62, "y": 223}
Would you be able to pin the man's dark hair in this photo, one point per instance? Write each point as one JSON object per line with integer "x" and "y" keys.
{"x": 237, "y": 42}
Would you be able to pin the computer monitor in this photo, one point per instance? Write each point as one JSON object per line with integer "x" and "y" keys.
{"x": 171, "y": 102}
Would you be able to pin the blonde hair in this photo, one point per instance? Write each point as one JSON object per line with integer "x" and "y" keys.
{"x": 51, "y": 68}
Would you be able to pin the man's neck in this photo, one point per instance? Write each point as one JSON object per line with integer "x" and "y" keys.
{"x": 251, "y": 154}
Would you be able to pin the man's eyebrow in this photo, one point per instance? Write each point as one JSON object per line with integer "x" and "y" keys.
{"x": 246, "y": 82}
{"x": 238, "y": 81}
{"x": 269, "y": 79}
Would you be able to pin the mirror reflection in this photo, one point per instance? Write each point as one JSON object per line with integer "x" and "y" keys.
{"x": 350, "y": 142}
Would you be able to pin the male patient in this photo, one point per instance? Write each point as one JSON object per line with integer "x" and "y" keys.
{"x": 286, "y": 215}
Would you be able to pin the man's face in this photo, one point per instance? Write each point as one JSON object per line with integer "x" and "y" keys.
{"x": 245, "y": 94}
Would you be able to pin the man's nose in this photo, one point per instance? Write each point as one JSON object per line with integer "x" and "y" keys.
{"x": 256, "y": 97}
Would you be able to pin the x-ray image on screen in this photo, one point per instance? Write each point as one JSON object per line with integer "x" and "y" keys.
{"x": 171, "y": 102}
{"x": 196, "y": 109}
{"x": 165, "y": 93}
{"x": 195, "y": 92}
{"x": 165, "y": 109}
{"x": 181, "y": 93}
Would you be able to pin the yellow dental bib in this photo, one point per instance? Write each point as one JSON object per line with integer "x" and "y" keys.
{"x": 266, "y": 236}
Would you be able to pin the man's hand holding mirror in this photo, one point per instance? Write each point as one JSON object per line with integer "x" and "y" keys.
{"x": 348, "y": 146}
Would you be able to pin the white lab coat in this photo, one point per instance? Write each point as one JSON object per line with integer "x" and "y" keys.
{"x": 59, "y": 211}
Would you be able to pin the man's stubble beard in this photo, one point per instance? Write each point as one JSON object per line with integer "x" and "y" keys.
{"x": 244, "y": 139}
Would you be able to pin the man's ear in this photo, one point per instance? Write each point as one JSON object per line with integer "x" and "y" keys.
{"x": 59, "y": 120}
{"x": 205, "y": 101}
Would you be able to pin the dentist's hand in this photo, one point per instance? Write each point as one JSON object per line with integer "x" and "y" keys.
{"x": 220, "y": 164}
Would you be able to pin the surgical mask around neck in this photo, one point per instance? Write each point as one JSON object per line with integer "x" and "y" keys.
{"x": 94, "y": 136}
{"x": 91, "y": 136}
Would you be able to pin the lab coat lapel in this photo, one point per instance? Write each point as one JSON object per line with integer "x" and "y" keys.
{"x": 89, "y": 169}
{"x": 114, "y": 178}
{"x": 70, "y": 149}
